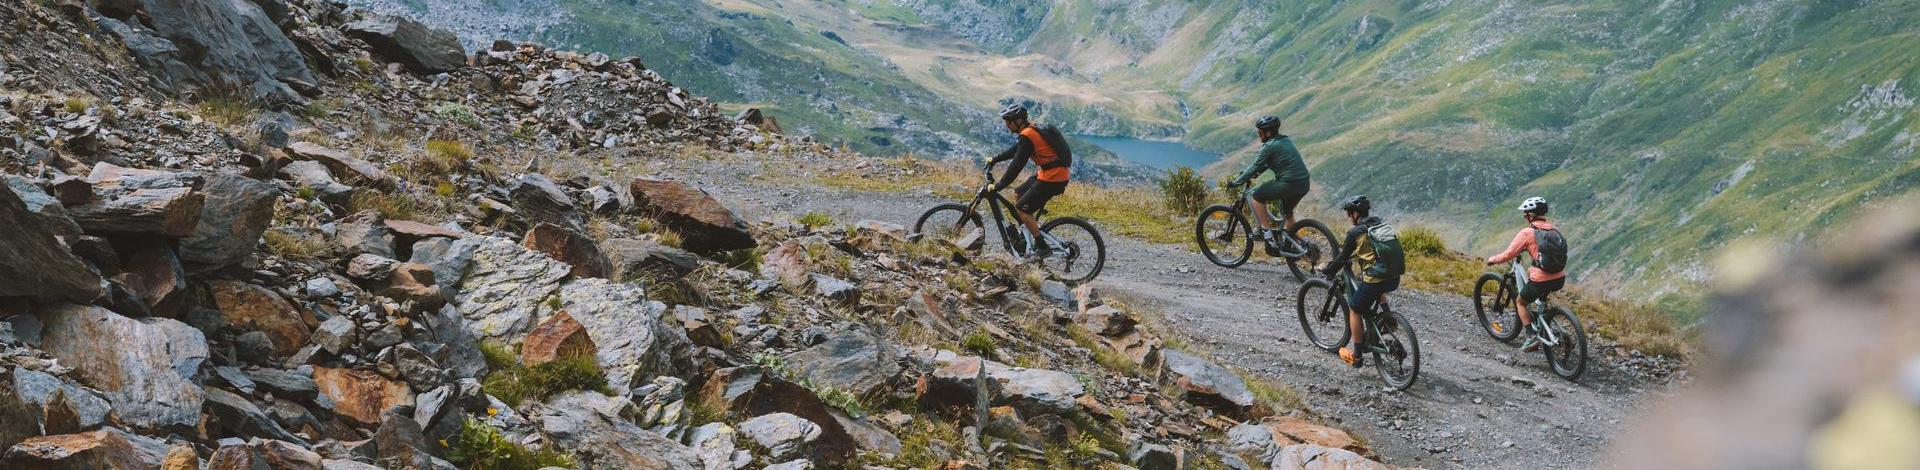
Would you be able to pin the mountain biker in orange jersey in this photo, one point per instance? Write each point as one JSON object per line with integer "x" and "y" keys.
{"x": 1540, "y": 282}
{"x": 1290, "y": 180}
{"x": 1375, "y": 246}
{"x": 1048, "y": 181}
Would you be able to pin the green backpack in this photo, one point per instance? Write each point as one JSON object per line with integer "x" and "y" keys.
{"x": 1388, "y": 259}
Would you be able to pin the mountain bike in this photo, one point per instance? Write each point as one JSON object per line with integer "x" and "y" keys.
{"x": 1077, "y": 251}
{"x": 1562, "y": 337}
{"x": 1225, "y": 236}
{"x": 1322, "y": 305}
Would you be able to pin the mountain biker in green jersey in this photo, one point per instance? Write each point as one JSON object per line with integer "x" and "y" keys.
{"x": 1289, "y": 184}
{"x": 1540, "y": 281}
{"x": 1378, "y": 270}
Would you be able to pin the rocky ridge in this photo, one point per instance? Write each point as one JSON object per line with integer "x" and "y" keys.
{"x": 404, "y": 260}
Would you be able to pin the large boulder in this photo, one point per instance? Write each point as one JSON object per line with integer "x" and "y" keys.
{"x": 237, "y": 209}
{"x": 578, "y": 422}
{"x": 212, "y": 43}
{"x": 505, "y": 288}
{"x": 423, "y": 49}
{"x": 34, "y": 263}
{"x": 108, "y": 448}
{"x": 633, "y": 338}
{"x": 251, "y": 307}
{"x": 46, "y": 208}
{"x": 57, "y": 405}
{"x": 571, "y": 247}
{"x": 704, "y": 224}
{"x": 853, "y": 361}
{"x": 361, "y": 396}
{"x": 145, "y": 367}
{"x": 1210, "y": 385}
{"x": 750, "y": 391}
{"x": 1033, "y": 391}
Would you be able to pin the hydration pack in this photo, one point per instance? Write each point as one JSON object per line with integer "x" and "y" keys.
{"x": 1553, "y": 250}
{"x": 1388, "y": 259}
{"x": 1063, "y": 156}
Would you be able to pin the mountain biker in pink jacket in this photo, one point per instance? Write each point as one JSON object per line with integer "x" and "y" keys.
{"x": 1539, "y": 281}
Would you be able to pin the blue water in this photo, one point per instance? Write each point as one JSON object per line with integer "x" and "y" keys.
{"x": 1158, "y": 154}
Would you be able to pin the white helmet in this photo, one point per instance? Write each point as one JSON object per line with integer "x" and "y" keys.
{"x": 1534, "y": 205}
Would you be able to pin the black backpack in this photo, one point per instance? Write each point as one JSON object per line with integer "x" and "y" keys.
{"x": 1553, "y": 250}
{"x": 1063, "y": 156}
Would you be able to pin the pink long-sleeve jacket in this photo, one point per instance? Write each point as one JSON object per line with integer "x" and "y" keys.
{"x": 1524, "y": 241}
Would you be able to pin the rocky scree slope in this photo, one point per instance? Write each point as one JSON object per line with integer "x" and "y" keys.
{"x": 377, "y": 270}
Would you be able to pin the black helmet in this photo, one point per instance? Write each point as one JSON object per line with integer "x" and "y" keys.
{"x": 1014, "y": 111}
{"x": 1357, "y": 203}
{"x": 1267, "y": 123}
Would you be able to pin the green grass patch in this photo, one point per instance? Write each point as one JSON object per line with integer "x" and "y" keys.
{"x": 481, "y": 447}
{"x": 1422, "y": 240}
{"x": 980, "y": 343}
{"x": 392, "y": 206}
{"x": 513, "y": 382}
{"x": 815, "y": 220}
{"x": 445, "y": 156}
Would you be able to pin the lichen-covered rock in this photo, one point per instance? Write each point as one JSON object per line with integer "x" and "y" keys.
{"x": 1315, "y": 457}
{"x": 1208, "y": 384}
{"x": 236, "y": 210}
{"x": 574, "y": 422}
{"x": 784, "y": 435}
{"x": 145, "y": 367}
{"x": 34, "y": 263}
{"x": 423, "y": 49}
{"x": 541, "y": 201}
{"x": 853, "y": 361}
{"x": 633, "y": 260}
{"x": 356, "y": 171}
{"x": 633, "y": 339}
{"x": 505, "y": 287}
{"x": 1031, "y": 390}
{"x": 361, "y": 395}
{"x": 750, "y": 391}
{"x": 58, "y": 406}
{"x": 108, "y": 448}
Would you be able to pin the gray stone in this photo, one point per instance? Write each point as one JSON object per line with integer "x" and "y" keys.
{"x": 44, "y": 207}
{"x": 633, "y": 341}
{"x": 785, "y": 436}
{"x": 635, "y": 260}
{"x": 452, "y": 345}
{"x": 313, "y": 174}
{"x": 296, "y": 384}
{"x": 321, "y": 287}
{"x": 540, "y": 200}
{"x": 254, "y": 347}
{"x": 235, "y": 211}
{"x": 384, "y": 337}
{"x": 506, "y": 285}
{"x": 448, "y": 258}
{"x": 145, "y": 366}
{"x": 852, "y": 361}
{"x": 371, "y": 267}
{"x": 414, "y": 366}
{"x": 1033, "y": 391}
{"x": 226, "y": 42}
{"x": 1208, "y": 384}
{"x": 104, "y": 448}
{"x": 364, "y": 233}
{"x": 835, "y": 289}
{"x": 336, "y": 335}
{"x": 714, "y": 443}
{"x": 422, "y": 49}
{"x": 33, "y": 261}
{"x": 1147, "y": 456}
{"x": 796, "y": 464}
{"x": 42, "y": 390}
{"x": 352, "y": 169}
{"x": 869, "y": 436}
{"x": 1311, "y": 456}
{"x": 599, "y": 441}
{"x": 233, "y": 415}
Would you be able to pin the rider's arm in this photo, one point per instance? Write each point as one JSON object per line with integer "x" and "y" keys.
{"x": 1004, "y": 155}
{"x": 1521, "y": 241}
{"x": 1021, "y": 152}
{"x": 1259, "y": 164}
{"x": 1346, "y": 250}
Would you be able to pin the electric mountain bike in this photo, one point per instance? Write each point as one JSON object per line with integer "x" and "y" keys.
{"x": 1322, "y": 305}
{"x": 1225, "y": 236}
{"x": 1560, "y": 333}
{"x": 1074, "y": 251}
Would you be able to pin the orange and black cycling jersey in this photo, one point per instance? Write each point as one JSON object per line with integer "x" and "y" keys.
{"x": 1031, "y": 146}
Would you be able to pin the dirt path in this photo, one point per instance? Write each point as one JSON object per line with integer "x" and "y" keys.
{"x": 1478, "y": 403}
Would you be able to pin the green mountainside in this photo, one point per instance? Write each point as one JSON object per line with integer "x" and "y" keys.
{"x": 1664, "y": 131}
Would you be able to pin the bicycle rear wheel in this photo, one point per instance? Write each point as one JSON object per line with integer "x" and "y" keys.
{"x": 1493, "y": 303}
{"x": 1323, "y": 314}
{"x": 952, "y": 223}
{"x": 1399, "y": 364}
{"x": 1224, "y": 236}
{"x": 1569, "y": 356}
{"x": 1319, "y": 243}
{"x": 1082, "y": 255}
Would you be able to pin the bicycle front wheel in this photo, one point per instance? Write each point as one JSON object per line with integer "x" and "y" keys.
{"x": 954, "y": 224}
{"x": 1319, "y": 244}
{"x": 1398, "y": 356}
{"x": 1568, "y": 355}
{"x": 1224, "y": 236}
{"x": 1323, "y": 314}
{"x": 1083, "y": 252}
{"x": 1493, "y": 303}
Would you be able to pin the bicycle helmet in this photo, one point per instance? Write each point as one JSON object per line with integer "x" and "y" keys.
{"x": 1534, "y": 205}
{"x": 1267, "y": 123}
{"x": 1013, "y": 111}
{"x": 1357, "y": 203}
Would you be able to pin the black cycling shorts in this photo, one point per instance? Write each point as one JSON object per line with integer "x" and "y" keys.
{"x": 1537, "y": 290}
{"x": 1034, "y": 194}
{"x": 1288, "y": 194}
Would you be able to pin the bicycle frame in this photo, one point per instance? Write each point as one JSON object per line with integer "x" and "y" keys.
{"x": 1347, "y": 284}
{"x": 1547, "y": 335}
{"x": 997, "y": 201}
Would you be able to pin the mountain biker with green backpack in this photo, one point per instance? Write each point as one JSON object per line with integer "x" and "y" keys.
{"x": 1548, "y": 273}
{"x": 1290, "y": 180}
{"x": 1373, "y": 246}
